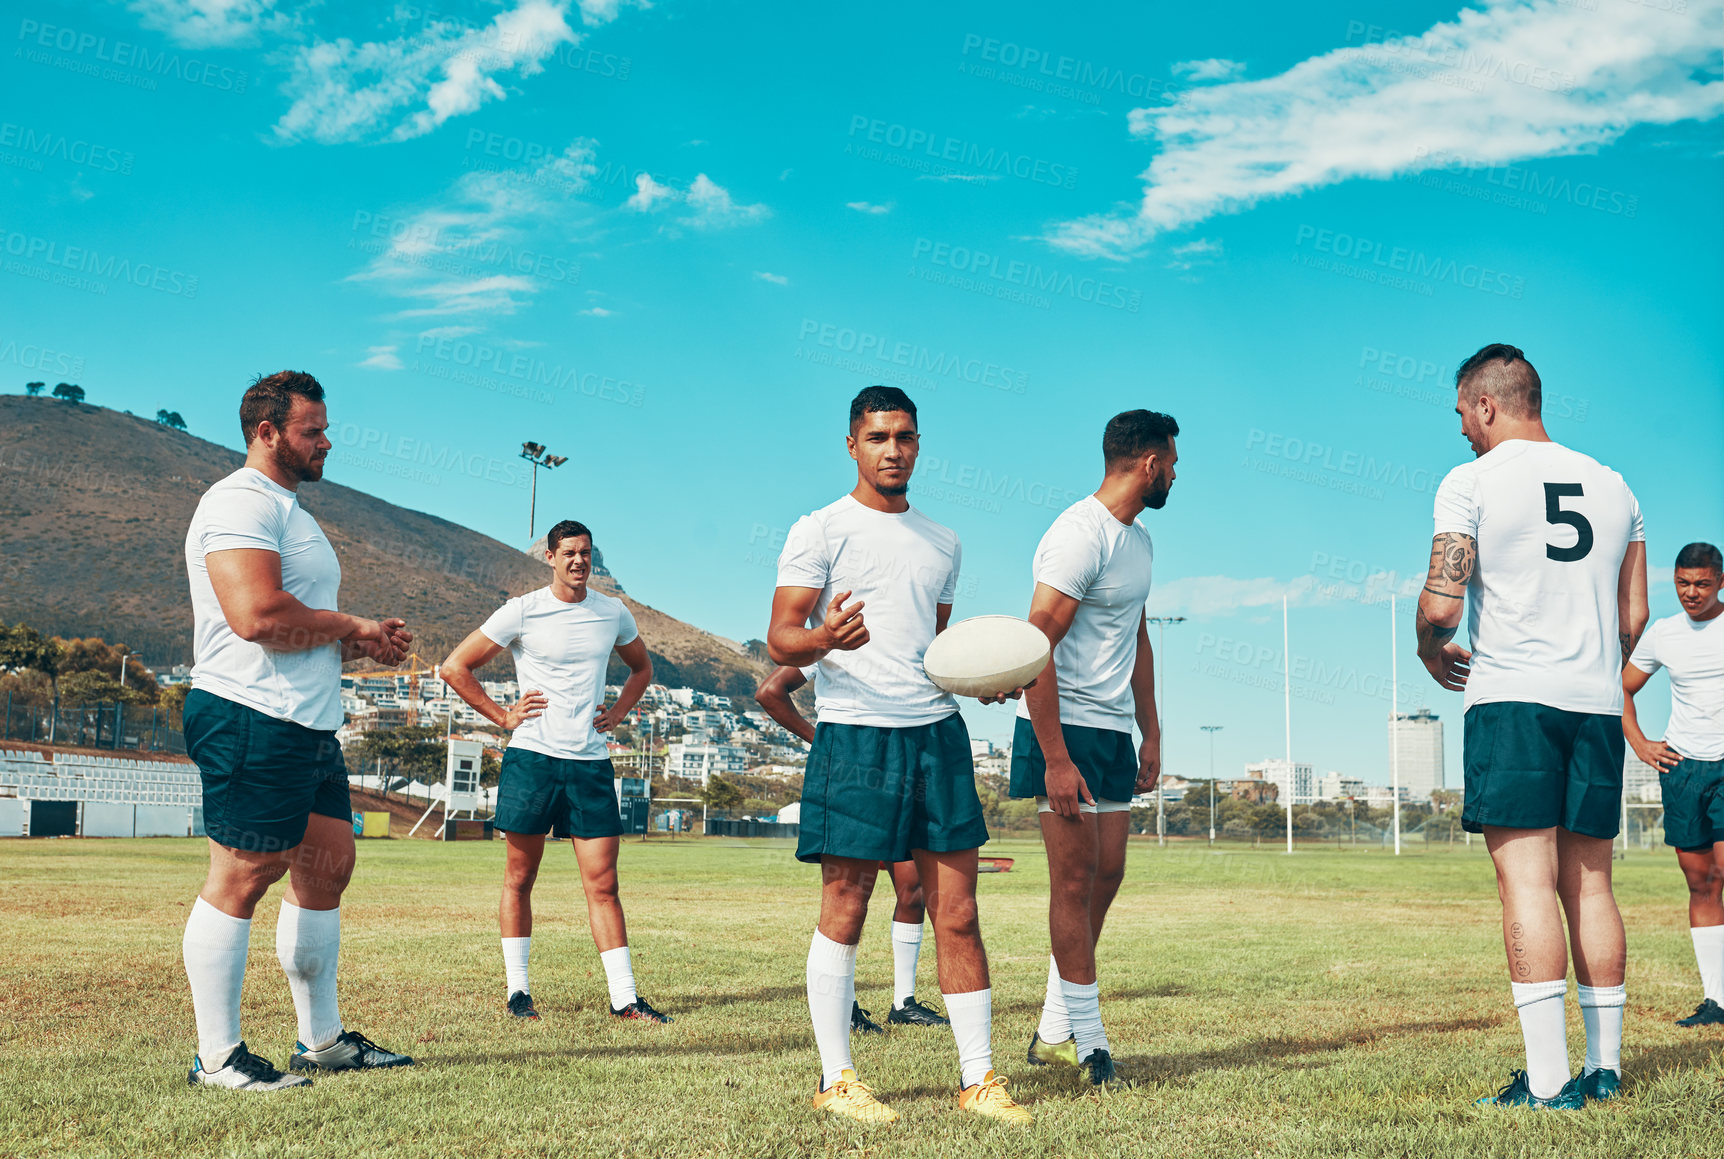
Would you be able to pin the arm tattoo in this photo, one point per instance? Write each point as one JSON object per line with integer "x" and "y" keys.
{"x": 1443, "y": 595}
{"x": 1458, "y": 554}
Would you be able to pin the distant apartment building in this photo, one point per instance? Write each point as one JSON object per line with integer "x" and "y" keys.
{"x": 1382, "y": 796}
{"x": 1276, "y": 771}
{"x": 1339, "y": 786}
{"x": 1416, "y": 738}
{"x": 700, "y": 761}
{"x": 1640, "y": 783}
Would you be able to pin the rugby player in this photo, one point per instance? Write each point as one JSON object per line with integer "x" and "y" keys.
{"x": 1690, "y": 756}
{"x": 1548, "y": 546}
{"x": 260, "y": 723}
{"x": 557, "y": 774}
{"x": 889, "y": 776}
{"x": 1072, "y": 748}
{"x": 774, "y": 696}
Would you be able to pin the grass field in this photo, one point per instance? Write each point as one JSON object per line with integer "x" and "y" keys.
{"x": 1331, "y": 1003}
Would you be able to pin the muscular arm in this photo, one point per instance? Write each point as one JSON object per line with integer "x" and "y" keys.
{"x": 247, "y": 583}
{"x": 1148, "y": 721}
{"x": 457, "y": 671}
{"x": 773, "y": 696}
{"x": 1654, "y": 752}
{"x": 634, "y": 654}
{"x": 1632, "y": 612}
{"x": 789, "y": 639}
{"x": 1052, "y": 611}
{"x": 1453, "y": 558}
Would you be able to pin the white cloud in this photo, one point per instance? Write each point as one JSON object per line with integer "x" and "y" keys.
{"x": 1509, "y": 81}
{"x": 709, "y": 204}
{"x": 597, "y": 312}
{"x": 382, "y": 358}
{"x": 441, "y": 332}
{"x": 775, "y": 279}
{"x": 1207, "y": 70}
{"x": 342, "y": 91}
{"x": 209, "y": 23}
{"x": 649, "y": 193}
{"x": 488, "y": 247}
{"x": 712, "y": 206}
{"x": 975, "y": 178}
{"x": 869, "y": 207}
{"x": 1201, "y": 252}
{"x": 1221, "y": 595}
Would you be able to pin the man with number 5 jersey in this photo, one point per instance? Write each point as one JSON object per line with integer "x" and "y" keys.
{"x": 1547, "y": 546}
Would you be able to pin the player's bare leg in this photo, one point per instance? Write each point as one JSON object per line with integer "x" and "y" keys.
{"x": 1537, "y": 950}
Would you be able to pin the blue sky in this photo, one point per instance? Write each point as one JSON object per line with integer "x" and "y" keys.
{"x": 670, "y": 242}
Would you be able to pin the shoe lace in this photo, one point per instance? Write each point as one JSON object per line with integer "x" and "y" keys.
{"x": 854, "y": 1088}
{"x": 994, "y": 1091}
{"x": 1516, "y": 1078}
{"x": 363, "y": 1043}
{"x": 645, "y": 1007}
{"x": 252, "y": 1066}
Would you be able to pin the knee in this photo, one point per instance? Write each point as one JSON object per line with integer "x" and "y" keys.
{"x": 518, "y": 880}
{"x": 602, "y": 890}
{"x": 957, "y": 919}
{"x": 1704, "y": 884}
{"x": 1109, "y": 878}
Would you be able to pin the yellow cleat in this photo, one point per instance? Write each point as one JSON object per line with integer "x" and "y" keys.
{"x": 989, "y": 1098}
{"x": 850, "y": 1097}
{"x": 1044, "y": 1053}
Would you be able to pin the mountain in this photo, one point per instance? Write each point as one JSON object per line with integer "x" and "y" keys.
{"x": 94, "y": 505}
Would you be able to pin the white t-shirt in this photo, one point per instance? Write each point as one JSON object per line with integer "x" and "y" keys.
{"x": 1552, "y": 527}
{"x": 1694, "y": 653}
{"x": 1105, "y": 565}
{"x": 249, "y": 510}
{"x": 903, "y": 566}
{"x": 562, "y": 650}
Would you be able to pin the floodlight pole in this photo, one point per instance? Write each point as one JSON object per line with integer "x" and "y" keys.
{"x": 536, "y": 454}
{"x": 1211, "y": 729}
{"x": 1395, "y": 723}
{"x": 1161, "y": 622}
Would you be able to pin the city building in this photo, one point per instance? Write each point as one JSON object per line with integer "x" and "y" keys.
{"x": 1304, "y": 787}
{"x": 1417, "y": 739}
{"x": 1382, "y": 796}
{"x": 1640, "y": 783}
{"x": 700, "y": 761}
{"x": 1339, "y": 786}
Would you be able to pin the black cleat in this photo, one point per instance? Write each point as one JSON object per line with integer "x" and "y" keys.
{"x": 521, "y": 1006}
{"x": 861, "y": 1022}
{"x": 641, "y": 1011}
{"x": 1708, "y": 1013}
{"x": 244, "y": 1071}
{"x": 1098, "y": 1065}
{"x": 350, "y": 1051}
{"x": 913, "y": 1013}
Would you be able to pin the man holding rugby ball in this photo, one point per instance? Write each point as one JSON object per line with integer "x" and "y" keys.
{"x": 889, "y": 775}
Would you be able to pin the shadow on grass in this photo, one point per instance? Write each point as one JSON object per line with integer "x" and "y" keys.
{"x": 1644, "y": 1065}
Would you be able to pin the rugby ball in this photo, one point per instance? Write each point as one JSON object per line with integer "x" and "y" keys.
{"x": 986, "y": 656}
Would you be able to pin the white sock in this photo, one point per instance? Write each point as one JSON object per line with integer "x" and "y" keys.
{"x": 1544, "y": 1026}
{"x": 619, "y": 976}
{"x": 972, "y": 1018}
{"x": 1083, "y": 1007}
{"x": 214, "y": 950}
{"x": 1056, "y": 1023}
{"x": 1709, "y": 953}
{"x": 906, "y": 948}
{"x": 831, "y": 992}
{"x": 515, "y": 964}
{"x": 1601, "y": 1010}
{"x": 308, "y": 942}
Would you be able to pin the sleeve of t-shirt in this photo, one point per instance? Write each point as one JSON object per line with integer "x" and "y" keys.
{"x": 1636, "y": 525}
{"x": 950, "y": 591}
{"x": 1456, "y": 510}
{"x": 1067, "y": 560}
{"x": 806, "y": 560}
{"x": 1645, "y": 655}
{"x": 504, "y": 626}
{"x": 244, "y": 518}
{"x": 627, "y": 632}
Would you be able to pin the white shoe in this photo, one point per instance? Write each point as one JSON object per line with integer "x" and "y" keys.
{"x": 244, "y": 1071}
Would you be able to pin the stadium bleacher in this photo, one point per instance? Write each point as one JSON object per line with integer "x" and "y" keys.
{"x": 136, "y": 796}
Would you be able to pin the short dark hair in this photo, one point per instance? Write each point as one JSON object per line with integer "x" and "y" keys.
{"x": 270, "y": 399}
{"x": 879, "y": 398}
{"x": 567, "y": 529}
{"x": 1132, "y": 434}
{"x": 1701, "y": 555}
{"x": 1502, "y": 371}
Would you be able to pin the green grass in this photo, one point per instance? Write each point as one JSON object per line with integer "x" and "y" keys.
{"x": 1331, "y": 1003}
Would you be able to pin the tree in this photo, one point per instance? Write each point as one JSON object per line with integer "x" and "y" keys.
{"x": 34, "y": 388}
{"x": 756, "y": 650}
{"x": 416, "y": 752}
{"x": 69, "y": 392}
{"x": 92, "y": 687}
{"x": 721, "y": 795}
{"x": 174, "y": 700}
{"x": 171, "y": 418}
{"x": 93, "y": 654}
{"x": 22, "y": 647}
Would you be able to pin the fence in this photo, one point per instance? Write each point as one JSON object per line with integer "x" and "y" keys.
{"x": 100, "y": 726}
